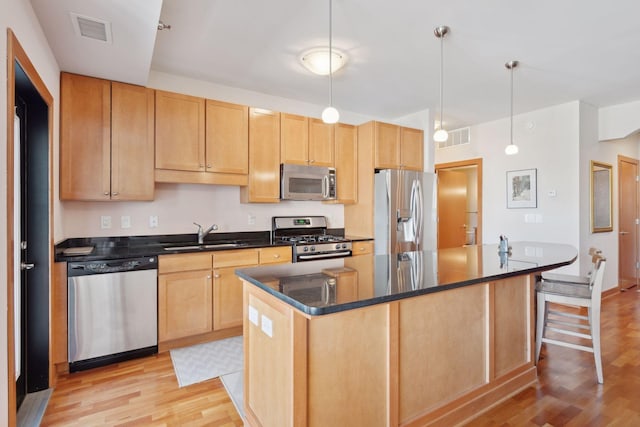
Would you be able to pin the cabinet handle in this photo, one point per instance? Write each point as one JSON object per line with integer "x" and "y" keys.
{"x": 209, "y": 277}
{"x": 362, "y": 248}
{"x": 311, "y": 161}
{"x": 115, "y": 194}
{"x": 209, "y": 166}
{"x": 217, "y": 276}
{"x": 276, "y": 256}
{"x": 106, "y": 193}
{"x": 201, "y": 166}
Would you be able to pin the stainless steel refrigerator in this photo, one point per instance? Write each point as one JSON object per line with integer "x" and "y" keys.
{"x": 405, "y": 211}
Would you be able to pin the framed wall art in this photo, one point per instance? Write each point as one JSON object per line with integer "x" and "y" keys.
{"x": 522, "y": 189}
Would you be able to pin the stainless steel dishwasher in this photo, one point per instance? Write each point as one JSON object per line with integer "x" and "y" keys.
{"x": 112, "y": 308}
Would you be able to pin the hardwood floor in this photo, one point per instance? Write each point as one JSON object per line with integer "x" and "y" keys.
{"x": 145, "y": 391}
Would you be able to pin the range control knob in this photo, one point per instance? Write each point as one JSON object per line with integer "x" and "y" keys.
{"x": 337, "y": 245}
{"x": 313, "y": 248}
{"x": 306, "y": 249}
{"x": 344, "y": 246}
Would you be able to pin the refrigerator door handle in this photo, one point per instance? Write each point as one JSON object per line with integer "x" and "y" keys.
{"x": 417, "y": 214}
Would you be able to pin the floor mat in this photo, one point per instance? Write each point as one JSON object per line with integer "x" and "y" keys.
{"x": 209, "y": 360}
{"x": 234, "y": 386}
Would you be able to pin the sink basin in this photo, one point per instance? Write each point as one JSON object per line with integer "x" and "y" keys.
{"x": 205, "y": 246}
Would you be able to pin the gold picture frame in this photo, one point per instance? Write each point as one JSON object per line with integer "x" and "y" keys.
{"x": 601, "y": 197}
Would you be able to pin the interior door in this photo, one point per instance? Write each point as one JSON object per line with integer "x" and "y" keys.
{"x": 627, "y": 220}
{"x": 452, "y": 208}
{"x": 19, "y": 274}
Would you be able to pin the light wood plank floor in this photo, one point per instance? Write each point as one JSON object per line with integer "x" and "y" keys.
{"x": 145, "y": 391}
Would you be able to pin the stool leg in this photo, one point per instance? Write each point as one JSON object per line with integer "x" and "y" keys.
{"x": 595, "y": 337}
{"x": 541, "y": 320}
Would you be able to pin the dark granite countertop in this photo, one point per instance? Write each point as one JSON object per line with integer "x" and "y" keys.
{"x": 305, "y": 286}
{"x": 106, "y": 248}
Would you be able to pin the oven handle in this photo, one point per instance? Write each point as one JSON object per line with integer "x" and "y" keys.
{"x": 333, "y": 254}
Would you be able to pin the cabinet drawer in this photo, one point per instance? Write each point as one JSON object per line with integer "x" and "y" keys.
{"x": 281, "y": 254}
{"x": 184, "y": 262}
{"x": 362, "y": 248}
{"x": 235, "y": 258}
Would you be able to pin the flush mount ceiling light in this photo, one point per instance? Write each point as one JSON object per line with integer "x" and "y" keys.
{"x": 511, "y": 148}
{"x": 441, "y": 135}
{"x": 330, "y": 114}
{"x": 317, "y": 60}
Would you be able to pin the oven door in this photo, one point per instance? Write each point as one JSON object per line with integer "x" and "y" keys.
{"x": 300, "y": 182}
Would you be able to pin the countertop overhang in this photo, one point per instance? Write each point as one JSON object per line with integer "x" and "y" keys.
{"x": 409, "y": 274}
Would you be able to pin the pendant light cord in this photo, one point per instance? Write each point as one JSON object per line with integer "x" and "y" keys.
{"x": 330, "y": 54}
{"x": 441, "y": 75}
{"x": 511, "y": 122}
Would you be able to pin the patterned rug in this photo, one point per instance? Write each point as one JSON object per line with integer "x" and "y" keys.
{"x": 209, "y": 360}
{"x": 234, "y": 386}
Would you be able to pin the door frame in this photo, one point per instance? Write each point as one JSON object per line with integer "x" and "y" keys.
{"x": 466, "y": 163}
{"x": 15, "y": 53}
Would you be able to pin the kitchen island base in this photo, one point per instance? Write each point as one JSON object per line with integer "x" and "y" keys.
{"x": 433, "y": 359}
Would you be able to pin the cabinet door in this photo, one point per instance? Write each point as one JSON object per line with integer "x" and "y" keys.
{"x": 346, "y": 158}
{"x": 227, "y": 299}
{"x": 184, "y": 304}
{"x": 227, "y": 138}
{"x": 387, "y": 146}
{"x": 132, "y": 142}
{"x": 412, "y": 152}
{"x": 85, "y": 138}
{"x": 294, "y": 139}
{"x": 321, "y": 146}
{"x": 264, "y": 157}
{"x": 180, "y": 130}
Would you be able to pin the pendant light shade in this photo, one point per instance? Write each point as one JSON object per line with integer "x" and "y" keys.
{"x": 512, "y": 148}
{"x": 441, "y": 134}
{"x": 330, "y": 114}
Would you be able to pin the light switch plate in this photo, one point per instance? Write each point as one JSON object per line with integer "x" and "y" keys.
{"x": 105, "y": 221}
{"x": 267, "y": 326}
{"x": 125, "y": 221}
{"x": 153, "y": 221}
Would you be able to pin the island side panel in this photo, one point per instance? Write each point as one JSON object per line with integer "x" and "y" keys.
{"x": 443, "y": 348}
{"x": 348, "y": 368}
{"x": 275, "y": 341}
{"x": 512, "y": 324}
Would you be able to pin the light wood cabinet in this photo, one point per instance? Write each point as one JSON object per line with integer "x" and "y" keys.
{"x": 346, "y": 162}
{"x": 264, "y": 157}
{"x": 180, "y": 132}
{"x": 321, "y": 143}
{"x": 306, "y": 141}
{"x": 106, "y": 140}
{"x": 201, "y": 141}
{"x": 398, "y": 147}
{"x": 200, "y": 296}
{"x": 362, "y": 248}
{"x": 227, "y": 287}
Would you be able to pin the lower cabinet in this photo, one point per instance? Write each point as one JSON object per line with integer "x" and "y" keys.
{"x": 200, "y": 296}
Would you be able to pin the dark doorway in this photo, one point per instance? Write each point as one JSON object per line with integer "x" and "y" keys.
{"x": 31, "y": 237}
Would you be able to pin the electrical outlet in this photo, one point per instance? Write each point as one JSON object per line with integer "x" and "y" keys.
{"x": 153, "y": 221}
{"x": 125, "y": 221}
{"x": 267, "y": 326}
{"x": 251, "y": 219}
{"x": 105, "y": 221}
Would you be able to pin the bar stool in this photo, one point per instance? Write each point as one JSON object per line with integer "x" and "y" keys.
{"x": 557, "y": 277}
{"x": 577, "y": 295}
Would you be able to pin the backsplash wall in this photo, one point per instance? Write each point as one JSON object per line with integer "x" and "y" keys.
{"x": 178, "y": 206}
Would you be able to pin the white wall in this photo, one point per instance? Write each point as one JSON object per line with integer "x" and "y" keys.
{"x": 18, "y": 15}
{"x": 549, "y": 142}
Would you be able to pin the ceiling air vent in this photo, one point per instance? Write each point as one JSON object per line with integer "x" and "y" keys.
{"x": 457, "y": 137}
{"x": 91, "y": 28}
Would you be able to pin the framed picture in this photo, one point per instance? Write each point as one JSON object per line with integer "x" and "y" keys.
{"x": 522, "y": 191}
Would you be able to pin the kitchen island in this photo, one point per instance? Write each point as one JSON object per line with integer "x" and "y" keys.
{"x": 419, "y": 338}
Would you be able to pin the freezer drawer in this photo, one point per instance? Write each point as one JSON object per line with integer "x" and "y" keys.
{"x": 112, "y": 313}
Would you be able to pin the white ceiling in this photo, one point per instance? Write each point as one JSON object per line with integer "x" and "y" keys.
{"x": 568, "y": 50}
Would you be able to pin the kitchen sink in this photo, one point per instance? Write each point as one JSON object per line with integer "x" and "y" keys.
{"x": 203, "y": 246}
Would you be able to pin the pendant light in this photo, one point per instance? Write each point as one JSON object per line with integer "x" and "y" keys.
{"x": 511, "y": 148}
{"x": 441, "y": 135}
{"x": 330, "y": 114}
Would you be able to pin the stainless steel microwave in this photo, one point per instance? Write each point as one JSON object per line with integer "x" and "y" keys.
{"x": 300, "y": 182}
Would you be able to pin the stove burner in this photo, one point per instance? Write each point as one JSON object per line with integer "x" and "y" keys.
{"x": 309, "y": 238}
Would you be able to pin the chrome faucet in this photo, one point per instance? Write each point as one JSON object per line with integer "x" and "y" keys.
{"x": 202, "y": 233}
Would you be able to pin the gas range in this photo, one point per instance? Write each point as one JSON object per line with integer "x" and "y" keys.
{"x": 309, "y": 238}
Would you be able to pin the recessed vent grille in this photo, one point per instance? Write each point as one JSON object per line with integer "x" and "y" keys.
{"x": 460, "y": 136}
{"x": 91, "y": 28}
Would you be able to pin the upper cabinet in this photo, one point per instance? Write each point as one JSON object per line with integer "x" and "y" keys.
{"x": 398, "y": 147}
{"x": 106, "y": 140}
{"x": 346, "y": 162}
{"x": 264, "y": 157}
{"x": 305, "y": 141}
{"x": 200, "y": 141}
